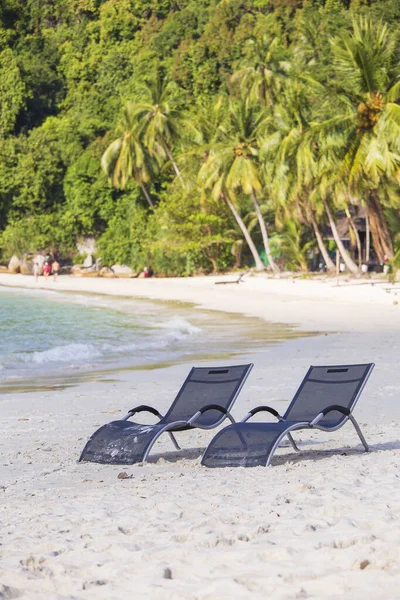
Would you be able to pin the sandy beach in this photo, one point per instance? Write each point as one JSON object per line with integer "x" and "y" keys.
{"x": 320, "y": 524}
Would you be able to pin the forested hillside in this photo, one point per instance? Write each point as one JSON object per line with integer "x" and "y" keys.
{"x": 199, "y": 135}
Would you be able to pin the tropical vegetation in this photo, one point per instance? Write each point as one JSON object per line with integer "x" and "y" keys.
{"x": 200, "y": 136}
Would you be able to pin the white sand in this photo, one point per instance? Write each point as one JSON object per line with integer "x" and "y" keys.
{"x": 304, "y": 528}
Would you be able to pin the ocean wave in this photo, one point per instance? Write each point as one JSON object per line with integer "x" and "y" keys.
{"x": 177, "y": 330}
{"x": 68, "y": 353}
{"x": 172, "y": 331}
{"x": 179, "y": 326}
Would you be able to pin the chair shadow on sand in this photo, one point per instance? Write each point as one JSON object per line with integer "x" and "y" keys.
{"x": 315, "y": 455}
{"x": 175, "y": 457}
{"x": 306, "y": 454}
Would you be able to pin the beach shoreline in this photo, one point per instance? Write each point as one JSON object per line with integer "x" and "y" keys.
{"x": 321, "y": 524}
{"x": 301, "y": 302}
{"x": 77, "y": 348}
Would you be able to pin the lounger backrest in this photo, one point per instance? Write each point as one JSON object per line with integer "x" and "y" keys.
{"x": 325, "y": 386}
{"x": 208, "y": 385}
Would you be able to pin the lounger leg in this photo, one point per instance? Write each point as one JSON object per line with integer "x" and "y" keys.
{"x": 173, "y": 439}
{"x": 155, "y": 438}
{"x": 291, "y": 440}
{"x": 360, "y": 435}
{"x": 280, "y": 438}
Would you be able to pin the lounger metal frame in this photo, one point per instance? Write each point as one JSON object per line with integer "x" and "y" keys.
{"x": 183, "y": 425}
{"x": 313, "y": 424}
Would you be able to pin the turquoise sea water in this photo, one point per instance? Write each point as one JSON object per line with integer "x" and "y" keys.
{"x": 47, "y": 334}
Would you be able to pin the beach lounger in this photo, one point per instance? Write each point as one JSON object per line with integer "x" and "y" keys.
{"x": 238, "y": 280}
{"x": 204, "y": 400}
{"x": 325, "y": 400}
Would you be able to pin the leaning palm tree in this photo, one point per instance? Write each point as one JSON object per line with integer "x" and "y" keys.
{"x": 367, "y": 116}
{"x": 235, "y": 159}
{"x": 160, "y": 124}
{"x": 127, "y": 157}
{"x": 212, "y": 177}
{"x": 327, "y": 193}
{"x": 290, "y": 163}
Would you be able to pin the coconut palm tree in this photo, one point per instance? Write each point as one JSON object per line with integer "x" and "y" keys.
{"x": 206, "y": 126}
{"x": 367, "y": 117}
{"x": 212, "y": 177}
{"x": 262, "y": 70}
{"x": 127, "y": 158}
{"x": 290, "y": 161}
{"x": 160, "y": 125}
{"x": 235, "y": 159}
{"x": 329, "y": 196}
{"x": 350, "y": 264}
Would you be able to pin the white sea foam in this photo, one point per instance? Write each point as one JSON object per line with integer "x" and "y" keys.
{"x": 68, "y": 353}
{"x": 179, "y": 326}
{"x": 74, "y": 337}
{"x": 177, "y": 329}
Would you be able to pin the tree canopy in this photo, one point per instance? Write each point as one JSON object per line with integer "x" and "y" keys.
{"x": 199, "y": 135}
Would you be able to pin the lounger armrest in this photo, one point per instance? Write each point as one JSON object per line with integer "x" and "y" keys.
{"x": 342, "y": 409}
{"x": 142, "y": 408}
{"x": 258, "y": 409}
{"x": 204, "y": 409}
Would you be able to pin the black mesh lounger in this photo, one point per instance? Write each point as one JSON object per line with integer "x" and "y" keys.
{"x": 204, "y": 401}
{"x": 325, "y": 400}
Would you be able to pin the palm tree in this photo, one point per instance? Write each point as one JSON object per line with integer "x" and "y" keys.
{"x": 127, "y": 158}
{"x": 235, "y": 158}
{"x": 262, "y": 70}
{"x": 367, "y": 89}
{"x": 350, "y": 264}
{"x": 211, "y": 176}
{"x": 206, "y": 125}
{"x": 209, "y": 115}
{"x": 159, "y": 123}
{"x": 330, "y": 198}
{"x": 291, "y": 163}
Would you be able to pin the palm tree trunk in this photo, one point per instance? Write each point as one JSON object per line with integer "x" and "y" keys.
{"x": 367, "y": 237}
{"x": 258, "y": 262}
{"x": 350, "y": 264}
{"x": 146, "y": 195}
{"x": 171, "y": 158}
{"x": 381, "y": 238}
{"x": 264, "y": 233}
{"x": 262, "y": 90}
{"x": 264, "y": 93}
{"x": 330, "y": 265}
{"x": 357, "y": 237}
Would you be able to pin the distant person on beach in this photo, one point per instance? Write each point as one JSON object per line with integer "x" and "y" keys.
{"x": 46, "y": 269}
{"x": 55, "y": 268}
{"x": 36, "y": 270}
{"x": 148, "y": 272}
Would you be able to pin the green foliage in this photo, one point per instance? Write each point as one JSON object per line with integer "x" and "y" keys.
{"x": 238, "y": 114}
{"x": 122, "y": 241}
{"x": 293, "y": 244}
{"x": 12, "y": 91}
{"x": 190, "y": 234}
{"x": 89, "y": 201}
{"x": 35, "y": 233}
